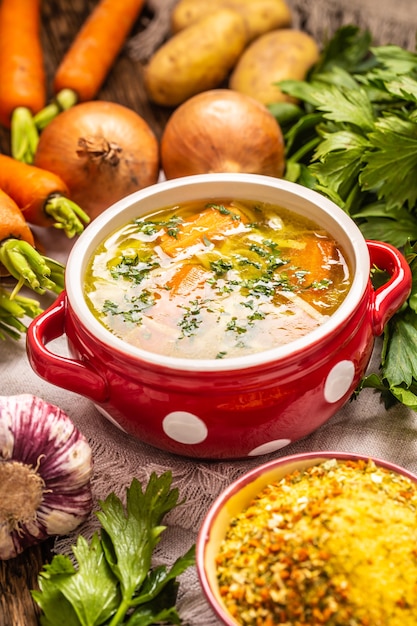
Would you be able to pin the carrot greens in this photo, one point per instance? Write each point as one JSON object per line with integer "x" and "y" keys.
{"x": 114, "y": 582}
{"x": 13, "y": 310}
{"x": 353, "y": 137}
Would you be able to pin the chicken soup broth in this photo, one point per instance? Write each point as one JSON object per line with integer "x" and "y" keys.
{"x": 216, "y": 279}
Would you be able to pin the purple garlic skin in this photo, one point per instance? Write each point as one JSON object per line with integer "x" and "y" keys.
{"x": 45, "y": 473}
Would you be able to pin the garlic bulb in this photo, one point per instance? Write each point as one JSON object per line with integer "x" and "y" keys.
{"x": 45, "y": 471}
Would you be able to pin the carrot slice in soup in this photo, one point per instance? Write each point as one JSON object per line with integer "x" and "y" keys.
{"x": 186, "y": 279}
{"x": 314, "y": 259}
{"x": 209, "y": 223}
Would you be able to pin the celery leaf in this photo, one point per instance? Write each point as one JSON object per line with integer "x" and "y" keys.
{"x": 390, "y": 162}
{"x": 346, "y": 105}
{"x": 400, "y": 364}
{"x": 113, "y": 582}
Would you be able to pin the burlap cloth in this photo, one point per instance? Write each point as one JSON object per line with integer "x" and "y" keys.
{"x": 363, "y": 426}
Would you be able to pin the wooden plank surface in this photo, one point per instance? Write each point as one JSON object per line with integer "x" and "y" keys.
{"x": 61, "y": 19}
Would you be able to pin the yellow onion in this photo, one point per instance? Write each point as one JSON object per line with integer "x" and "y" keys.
{"x": 103, "y": 151}
{"x": 221, "y": 130}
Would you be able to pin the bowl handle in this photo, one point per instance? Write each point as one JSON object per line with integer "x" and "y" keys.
{"x": 71, "y": 374}
{"x": 388, "y": 298}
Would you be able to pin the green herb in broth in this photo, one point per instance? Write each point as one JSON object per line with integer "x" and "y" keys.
{"x": 216, "y": 279}
{"x": 133, "y": 269}
{"x": 135, "y": 307}
{"x": 150, "y": 227}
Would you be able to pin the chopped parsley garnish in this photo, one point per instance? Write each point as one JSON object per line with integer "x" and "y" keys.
{"x": 234, "y": 326}
{"x": 255, "y": 316}
{"x": 150, "y": 227}
{"x": 221, "y": 266}
{"x": 222, "y": 209}
{"x": 133, "y": 268}
{"x": 221, "y": 354}
{"x": 133, "y": 308}
{"x": 324, "y": 283}
{"x": 191, "y": 319}
{"x": 244, "y": 260}
{"x": 258, "y": 249}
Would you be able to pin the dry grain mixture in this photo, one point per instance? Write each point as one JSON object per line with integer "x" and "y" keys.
{"x": 334, "y": 544}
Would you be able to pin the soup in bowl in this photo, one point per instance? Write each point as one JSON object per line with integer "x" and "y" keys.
{"x": 220, "y": 315}
{"x": 216, "y": 279}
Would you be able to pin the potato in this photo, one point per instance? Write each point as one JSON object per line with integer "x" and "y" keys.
{"x": 275, "y": 56}
{"x": 260, "y": 16}
{"x": 197, "y": 58}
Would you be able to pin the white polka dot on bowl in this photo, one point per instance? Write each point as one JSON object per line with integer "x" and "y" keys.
{"x": 184, "y": 427}
{"x": 339, "y": 381}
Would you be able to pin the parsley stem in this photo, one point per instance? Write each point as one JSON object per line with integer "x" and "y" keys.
{"x": 305, "y": 149}
{"x": 120, "y": 613}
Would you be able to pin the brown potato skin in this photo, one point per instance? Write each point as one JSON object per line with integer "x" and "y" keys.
{"x": 277, "y": 55}
{"x": 221, "y": 130}
{"x": 260, "y": 16}
{"x": 198, "y": 58}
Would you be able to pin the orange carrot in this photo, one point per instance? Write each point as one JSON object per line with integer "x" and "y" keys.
{"x": 12, "y": 223}
{"x": 315, "y": 257}
{"x": 41, "y": 195}
{"x": 18, "y": 256}
{"x": 22, "y": 73}
{"x": 186, "y": 279}
{"x": 88, "y": 60}
{"x": 207, "y": 224}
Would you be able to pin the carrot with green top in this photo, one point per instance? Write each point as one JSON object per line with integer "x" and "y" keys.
{"x": 88, "y": 60}
{"x": 18, "y": 256}
{"x": 41, "y": 196}
{"x": 22, "y": 74}
{"x": 12, "y": 223}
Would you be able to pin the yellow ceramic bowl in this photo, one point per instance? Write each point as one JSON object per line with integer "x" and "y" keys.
{"x": 238, "y": 496}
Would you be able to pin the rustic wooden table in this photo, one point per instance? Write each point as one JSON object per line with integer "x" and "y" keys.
{"x": 61, "y": 19}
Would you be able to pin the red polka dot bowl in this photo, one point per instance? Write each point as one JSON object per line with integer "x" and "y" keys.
{"x": 221, "y": 408}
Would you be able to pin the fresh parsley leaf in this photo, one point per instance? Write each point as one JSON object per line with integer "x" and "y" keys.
{"x": 346, "y": 105}
{"x": 339, "y": 156}
{"x": 113, "y": 582}
{"x": 356, "y": 143}
{"x": 84, "y": 596}
{"x": 393, "y": 59}
{"x": 376, "y": 222}
{"x": 400, "y": 365}
{"x": 405, "y": 88}
{"x": 391, "y": 162}
{"x": 349, "y": 48}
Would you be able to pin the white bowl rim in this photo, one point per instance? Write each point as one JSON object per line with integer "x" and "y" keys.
{"x": 310, "y": 458}
{"x": 99, "y": 229}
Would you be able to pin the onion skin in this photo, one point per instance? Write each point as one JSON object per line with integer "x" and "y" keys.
{"x": 103, "y": 151}
{"x": 222, "y": 131}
